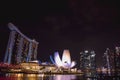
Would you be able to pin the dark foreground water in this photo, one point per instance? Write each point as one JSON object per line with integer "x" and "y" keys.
{"x": 21, "y": 76}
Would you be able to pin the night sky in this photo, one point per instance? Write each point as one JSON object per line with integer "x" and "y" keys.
{"x": 76, "y": 25}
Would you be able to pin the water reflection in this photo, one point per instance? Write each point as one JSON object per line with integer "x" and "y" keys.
{"x": 64, "y": 77}
{"x": 21, "y": 76}
{"x": 39, "y": 77}
{"x": 27, "y": 77}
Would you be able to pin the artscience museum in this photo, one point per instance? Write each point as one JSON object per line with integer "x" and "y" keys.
{"x": 65, "y": 62}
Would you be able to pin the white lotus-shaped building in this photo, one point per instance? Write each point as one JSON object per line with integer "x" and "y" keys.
{"x": 65, "y": 62}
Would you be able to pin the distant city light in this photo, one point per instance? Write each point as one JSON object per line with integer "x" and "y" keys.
{"x": 86, "y": 51}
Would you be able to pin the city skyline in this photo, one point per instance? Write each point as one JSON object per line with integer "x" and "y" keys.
{"x": 74, "y": 25}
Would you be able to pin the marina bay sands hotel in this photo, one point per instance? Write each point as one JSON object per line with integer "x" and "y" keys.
{"x": 20, "y": 48}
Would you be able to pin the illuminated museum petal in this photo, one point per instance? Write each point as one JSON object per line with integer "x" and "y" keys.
{"x": 51, "y": 58}
{"x": 66, "y": 59}
{"x": 72, "y": 64}
{"x": 57, "y": 59}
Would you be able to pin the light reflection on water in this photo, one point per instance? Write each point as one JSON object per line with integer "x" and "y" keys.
{"x": 21, "y": 76}
{"x": 38, "y": 77}
{"x": 64, "y": 77}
